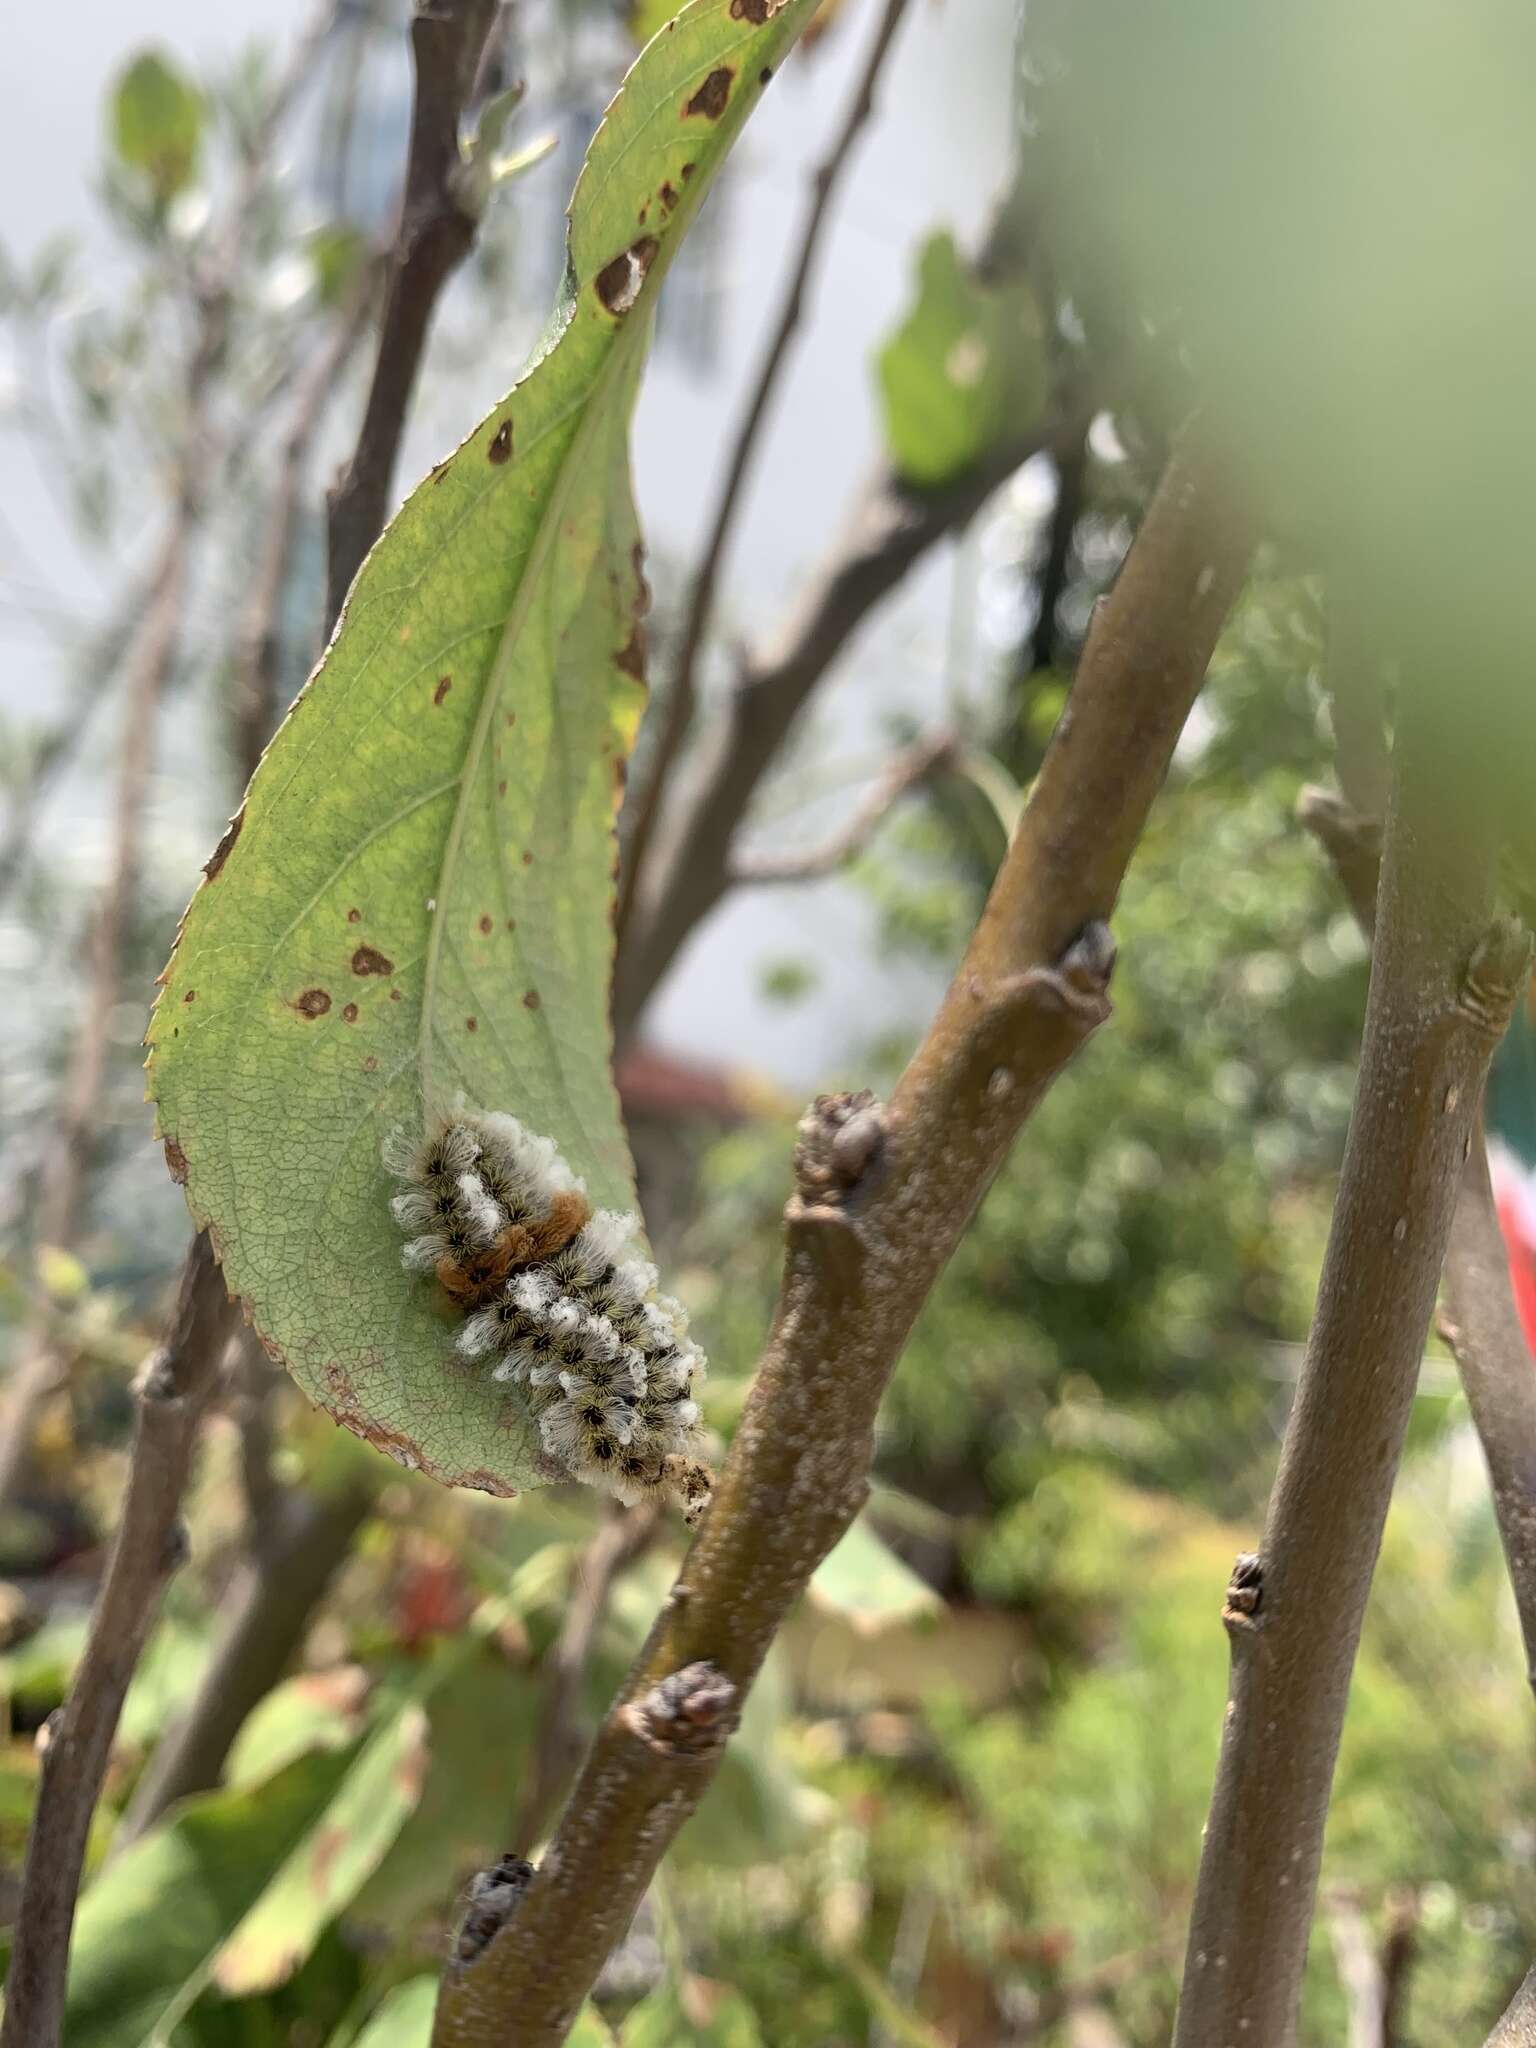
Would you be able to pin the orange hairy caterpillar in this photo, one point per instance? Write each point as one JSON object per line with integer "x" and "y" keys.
{"x": 558, "y": 1302}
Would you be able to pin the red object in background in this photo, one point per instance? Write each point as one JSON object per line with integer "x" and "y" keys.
{"x": 1513, "y": 1220}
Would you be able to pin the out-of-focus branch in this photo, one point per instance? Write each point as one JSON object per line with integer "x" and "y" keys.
{"x": 1482, "y": 1325}
{"x": 906, "y": 771}
{"x": 678, "y": 710}
{"x": 172, "y": 1394}
{"x": 1071, "y": 489}
{"x": 304, "y": 1544}
{"x": 1444, "y": 977}
{"x": 1360, "y": 1972}
{"x": 625, "y": 1535}
{"x": 435, "y": 234}
{"x": 881, "y": 1199}
{"x": 893, "y": 525}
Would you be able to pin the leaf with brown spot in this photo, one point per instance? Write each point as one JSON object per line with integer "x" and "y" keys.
{"x": 712, "y": 97}
{"x": 501, "y": 605}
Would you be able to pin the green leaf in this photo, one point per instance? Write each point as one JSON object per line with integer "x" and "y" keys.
{"x": 416, "y": 897}
{"x": 404, "y": 2020}
{"x": 191, "y": 1880}
{"x": 157, "y": 123}
{"x": 337, "y": 1855}
{"x": 864, "y": 1580}
{"x": 706, "y": 2014}
{"x": 965, "y": 370}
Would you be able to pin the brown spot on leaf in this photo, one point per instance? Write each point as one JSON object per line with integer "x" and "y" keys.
{"x": 669, "y": 195}
{"x": 501, "y": 787}
{"x": 354, "y": 917}
{"x": 349, "y": 1013}
{"x": 531, "y": 1000}
{"x": 755, "y": 11}
{"x": 711, "y": 97}
{"x": 486, "y": 924}
{"x": 688, "y": 171}
{"x": 190, "y": 996}
{"x": 511, "y": 718}
{"x": 618, "y": 283}
{"x": 501, "y": 446}
{"x": 643, "y": 215}
{"x": 444, "y": 685}
{"x": 314, "y": 1002}
{"x": 765, "y": 74}
{"x": 176, "y": 1162}
{"x": 369, "y": 960}
{"x": 394, "y": 995}
{"x": 511, "y": 924}
{"x": 527, "y": 859}
{"x": 471, "y": 1024}
{"x": 221, "y": 852}
{"x": 631, "y": 656}
{"x": 371, "y": 1064}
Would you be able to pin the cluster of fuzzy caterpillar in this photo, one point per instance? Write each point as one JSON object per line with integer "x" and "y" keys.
{"x": 558, "y": 1303}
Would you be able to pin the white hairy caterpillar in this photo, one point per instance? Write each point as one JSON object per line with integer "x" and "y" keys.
{"x": 558, "y": 1301}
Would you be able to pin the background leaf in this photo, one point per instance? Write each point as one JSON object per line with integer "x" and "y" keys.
{"x": 965, "y": 369}
{"x": 416, "y": 898}
{"x": 157, "y": 123}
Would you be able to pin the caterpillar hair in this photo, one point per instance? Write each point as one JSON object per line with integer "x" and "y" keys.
{"x": 558, "y": 1303}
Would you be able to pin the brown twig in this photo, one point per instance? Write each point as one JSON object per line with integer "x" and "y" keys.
{"x": 882, "y": 1198}
{"x": 1482, "y": 1324}
{"x": 435, "y": 234}
{"x": 905, "y": 772}
{"x": 678, "y": 710}
{"x": 173, "y": 1391}
{"x": 1444, "y": 978}
{"x": 892, "y": 526}
{"x": 625, "y": 1535}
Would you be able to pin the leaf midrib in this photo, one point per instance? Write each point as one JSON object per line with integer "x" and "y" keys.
{"x": 533, "y": 569}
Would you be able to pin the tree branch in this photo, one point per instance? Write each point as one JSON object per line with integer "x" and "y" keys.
{"x": 1443, "y": 980}
{"x": 881, "y": 1199}
{"x": 677, "y": 713}
{"x": 172, "y": 1393}
{"x": 435, "y": 234}
{"x": 891, "y": 527}
{"x": 1482, "y": 1326}
{"x": 905, "y": 772}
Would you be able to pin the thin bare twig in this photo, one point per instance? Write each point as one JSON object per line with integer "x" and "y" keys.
{"x": 625, "y": 1535}
{"x": 905, "y": 772}
{"x": 1443, "y": 980}
{"x": 678, "y": 710}
{"x": 881, "y": 1200}
{"x": 435, "y": 234}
